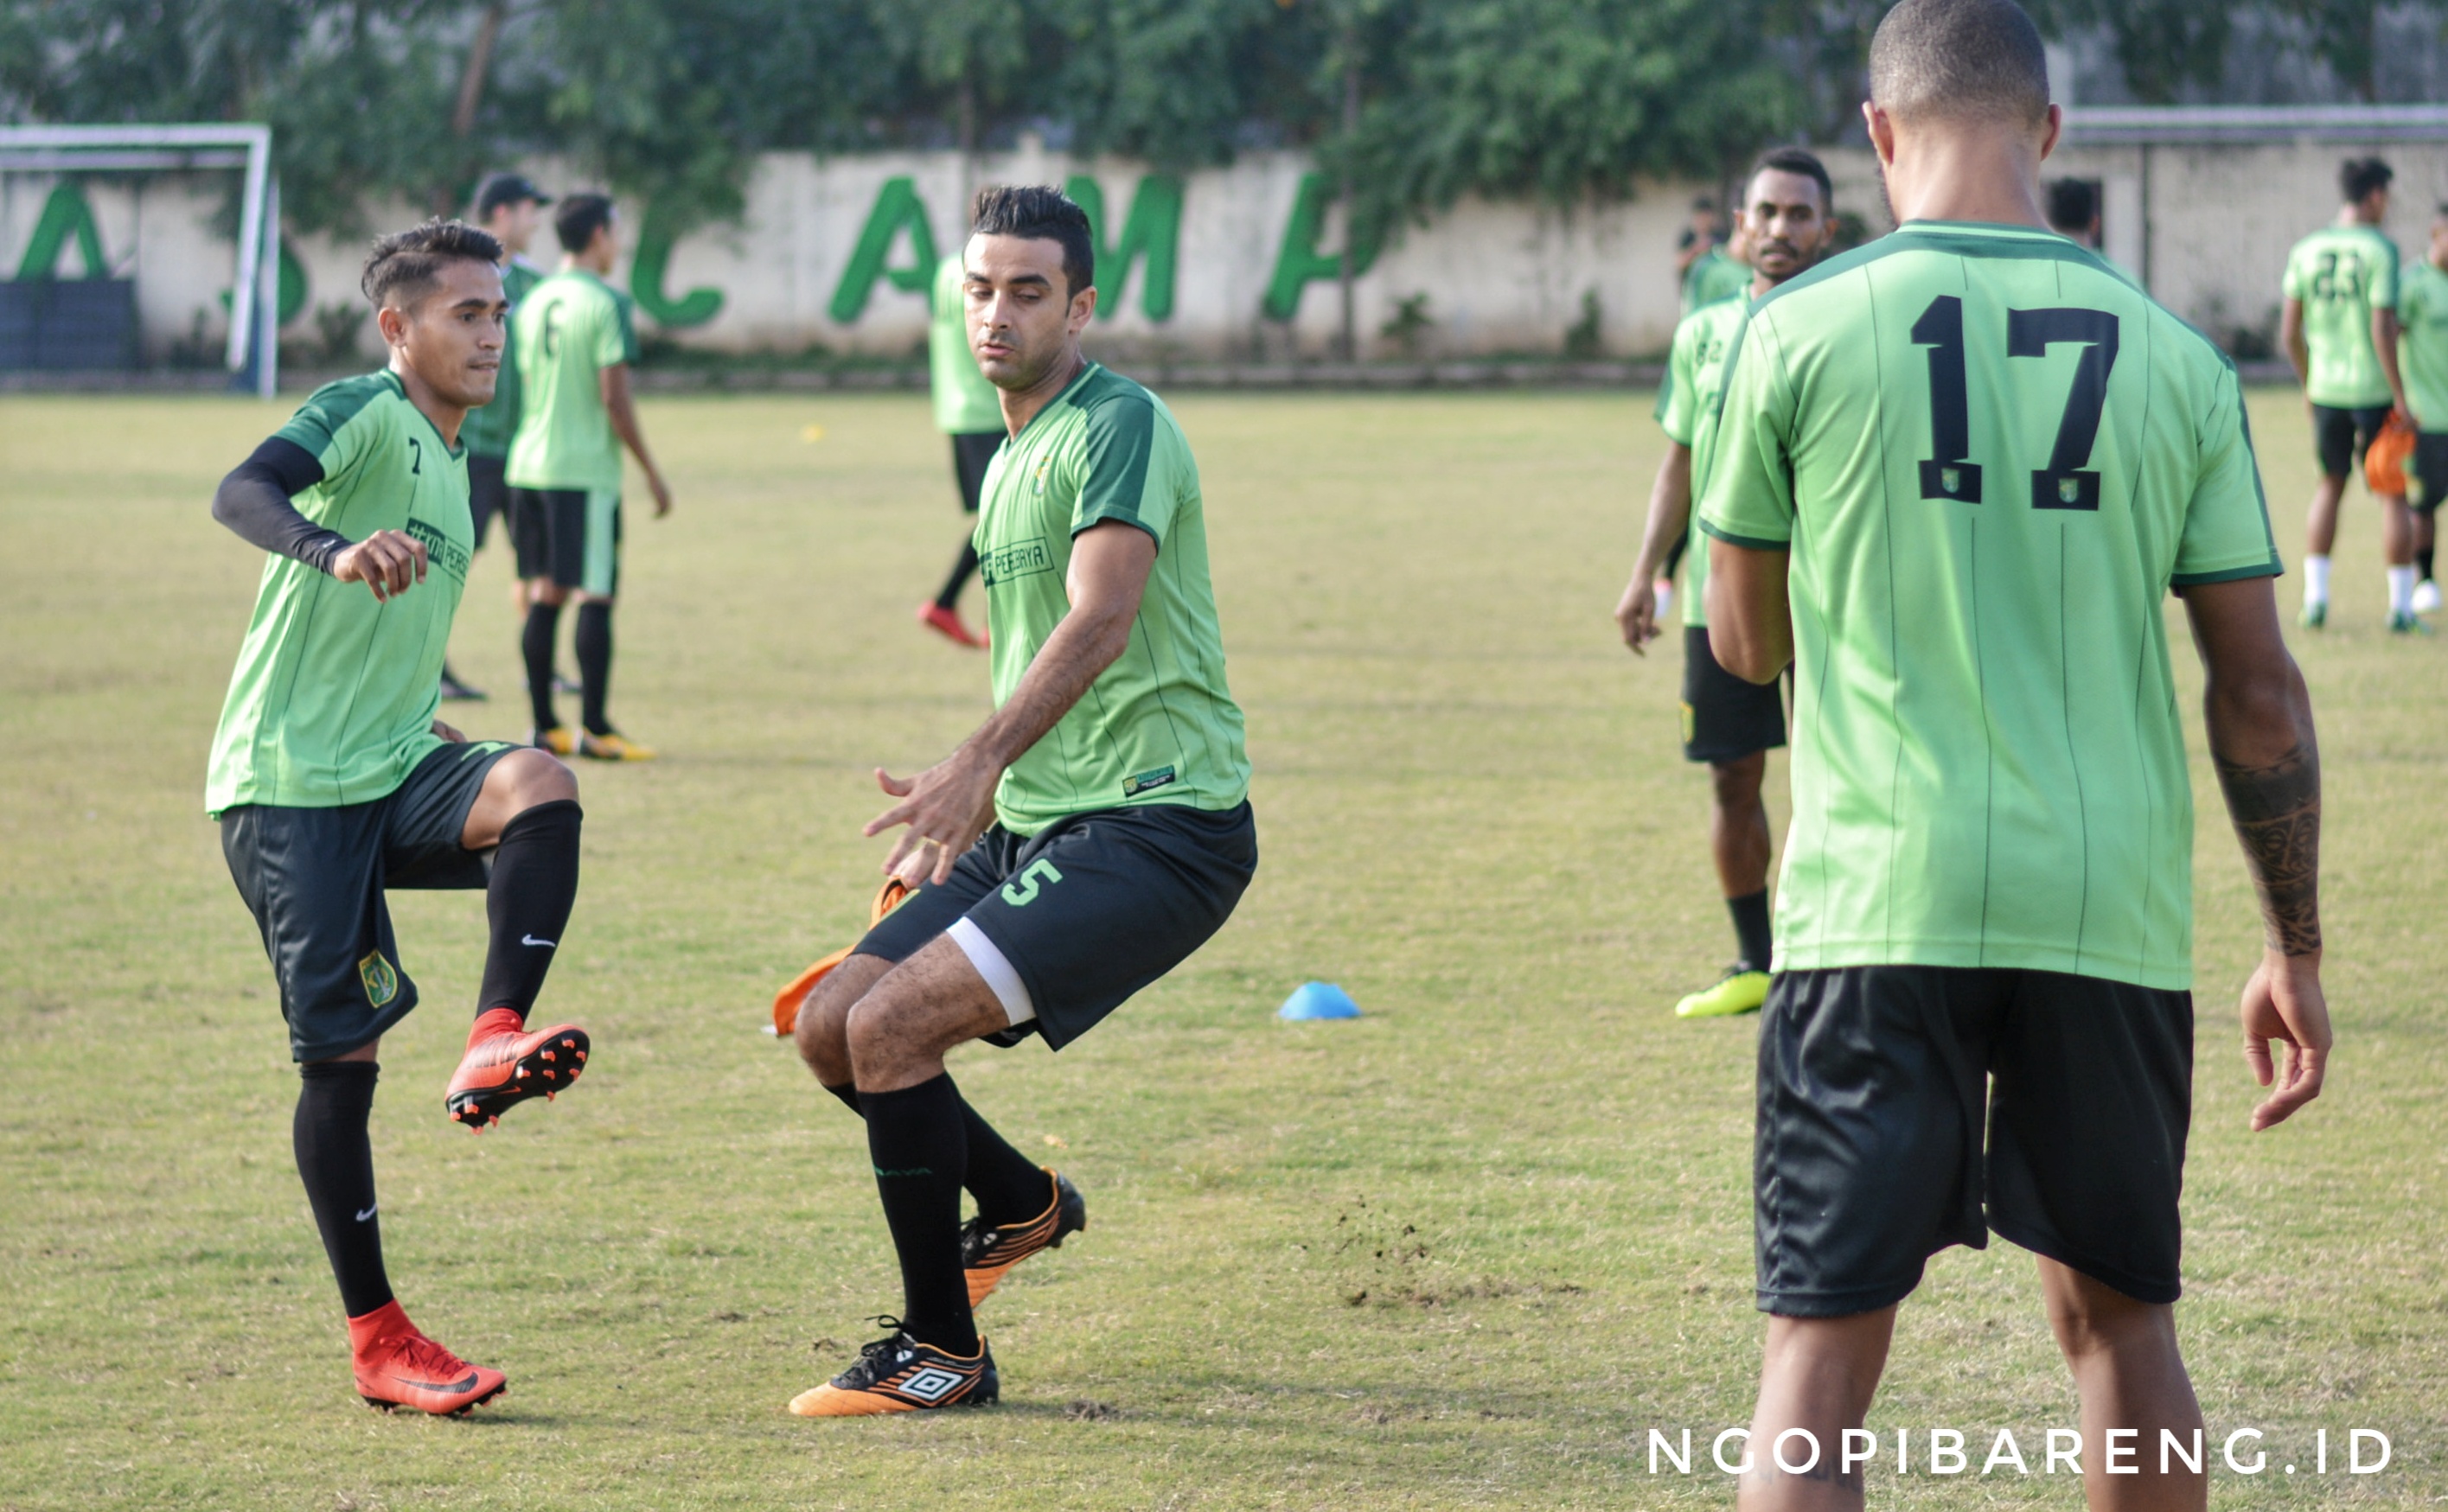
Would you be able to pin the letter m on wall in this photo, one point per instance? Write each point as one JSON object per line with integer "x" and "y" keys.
{"x": 1153, "y": 229}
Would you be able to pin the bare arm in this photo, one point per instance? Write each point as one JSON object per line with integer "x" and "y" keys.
{"x": 950, "y": 804}
{"x": 1750, "y": 625}
{"x": 1669, "y": 515}
{"x": 2261, "y": 738}
{"x": 2290, "y": 340}
{"x": 614, "y": 384}
{"x": 2385, "y": 334}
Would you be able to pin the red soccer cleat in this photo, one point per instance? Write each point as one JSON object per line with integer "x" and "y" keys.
{"x": 398, "y": 1366}
{"x": 946, "y": 624}
{"x": 505, "y": 1064}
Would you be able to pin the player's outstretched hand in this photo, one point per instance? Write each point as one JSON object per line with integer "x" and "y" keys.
{"x": 946, "y": 807}
{"x": 385, "y": 562}
{"x": 1636, "y": 615}
{"x": 2283, "y": 1004}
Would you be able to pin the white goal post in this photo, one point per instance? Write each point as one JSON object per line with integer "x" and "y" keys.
{"x": 255, "y": 294}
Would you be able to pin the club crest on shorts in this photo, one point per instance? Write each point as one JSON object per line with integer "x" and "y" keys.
{"x": 381, "y": 979}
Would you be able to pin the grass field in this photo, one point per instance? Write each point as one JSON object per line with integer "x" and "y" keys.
{"x": 1464, "y": 1252}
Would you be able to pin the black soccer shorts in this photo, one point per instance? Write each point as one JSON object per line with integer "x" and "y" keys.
{"x": 489, "y": 495}
{"x": 1875, "y": 1086}
{"x": 569, "y": 536}
{"x": 971, "y": 451}
{"x": 2430, "y": 470}
{"x": 1088, "y": 910}
{"x": 2339, "y": 437}
{"x": 314, "y": 878}
{"x": 1725, "y": 719}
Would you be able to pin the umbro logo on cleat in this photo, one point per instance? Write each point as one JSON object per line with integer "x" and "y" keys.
{"x": 932, "y": 1384}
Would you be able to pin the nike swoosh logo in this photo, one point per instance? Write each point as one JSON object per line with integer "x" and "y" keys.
{"x": 367, "y": 1213}
{"x": 529, "y": 939}
{"x": 455, "y": 1387}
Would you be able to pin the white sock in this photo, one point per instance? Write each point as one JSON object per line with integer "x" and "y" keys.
{"x": 2400, "y": 589}
{"x": 2316, "y": 580}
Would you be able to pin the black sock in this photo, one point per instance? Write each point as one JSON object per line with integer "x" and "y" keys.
{"x": 336, "y": 1161}
{"x": 950, "y": 597}
{"x": 2422, "y": 564}
{"x": 592, "y": 640}
{"x": 921, "y": 1152}
{"x": 1008, "y": 1186}
{"x": 528, "y": 900}
{"x": 1752, "y": 929}
{"x": 544, "y": 623}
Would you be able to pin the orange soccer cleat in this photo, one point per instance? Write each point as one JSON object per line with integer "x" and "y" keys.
{"x": 398, "y": 1366}
{"x": 987, "y": 1253}
{"x": 899, "y": 1375}
{"x": 946, "y": 623}
{"x": 505, "y": 1063}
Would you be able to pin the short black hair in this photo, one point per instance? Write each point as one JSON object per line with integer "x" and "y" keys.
{"x": 1962, "y": 59}
{"x": 404, "y": 267}
{"x": 2073, "y": 204}
{"x": 1040, "y": 212}
{"x": 580, "y": 217}
{"x": 2358, "y": 177}
{"x": 1801, "y": 160}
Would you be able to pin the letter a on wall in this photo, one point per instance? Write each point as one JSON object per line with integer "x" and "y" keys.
{"x": 897, "y": 208}
{"x": 1153, "y": 228}
{"x": 66, "y": 216}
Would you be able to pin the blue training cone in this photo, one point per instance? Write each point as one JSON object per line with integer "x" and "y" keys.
{"x": 1318, "y": 1000}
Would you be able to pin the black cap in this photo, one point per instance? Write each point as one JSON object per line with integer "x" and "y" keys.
{"x": 506, "y": 188}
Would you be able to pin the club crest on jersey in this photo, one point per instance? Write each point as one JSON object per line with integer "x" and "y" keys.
{"x": 381, "y": 979}
{"x": 2069, "y": 490}
{"x": 1951, "y": 479}
{"x": 1037, "y": 485}
{"x": 932, "y": 1384}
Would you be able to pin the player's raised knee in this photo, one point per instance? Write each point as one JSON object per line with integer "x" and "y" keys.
{"x": 534, "y": 778}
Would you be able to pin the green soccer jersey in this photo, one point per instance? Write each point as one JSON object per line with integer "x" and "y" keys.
{"x": 2422, "y": 346}
{"x": 572, "y": 327}
{"x": 487, "y": 431}
{"x": 1160, "y": 725}
{"x": 1687, "y": 412}
{"x": 1990, "y": 456}
{"x": 2341, "y": 274}
{"x": 1712, "y": 276}
{"x": 335, "y": 695}
{"x": 965, "y": 403}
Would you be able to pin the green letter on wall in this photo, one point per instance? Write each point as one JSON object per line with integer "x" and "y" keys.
{"x": 65, "y": 215}
{"x": 1299, "y": 260}
{"x": 897, "y": 207}
{"x": 646, "y": 272}
{"x": 1153, "y": 228}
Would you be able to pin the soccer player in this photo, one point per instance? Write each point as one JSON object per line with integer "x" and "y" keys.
{"x": 1732, "y": 725}
{"x": 969, "y": 409}
{"x": 2339, "y": 326}
{"x": 508, "y": 207}
{"x": 1956, "y": 474}
{"x": 2074, "y": 211}
{"x": 576, "y": 341}
{"x": 2423, "y": 361}
{"x": 1084, "y": 841}
{"x": 331, "y": 779}
{"x": 1710, "y": 272}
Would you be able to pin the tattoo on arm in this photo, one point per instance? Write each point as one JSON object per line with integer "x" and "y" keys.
{"x": 2277, "y": 814}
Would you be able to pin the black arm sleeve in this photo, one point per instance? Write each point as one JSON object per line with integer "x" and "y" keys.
{"x": 254, "y": 503}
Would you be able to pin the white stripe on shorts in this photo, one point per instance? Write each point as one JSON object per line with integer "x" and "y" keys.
{"x": 996, "y": 969}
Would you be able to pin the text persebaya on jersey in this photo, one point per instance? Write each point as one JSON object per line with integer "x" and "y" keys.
{"x": 1017, "y": 561}
{"x": 440, "y": 549}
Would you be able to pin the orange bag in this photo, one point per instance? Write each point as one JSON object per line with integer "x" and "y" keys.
{"x": 2384, "y": 460}
{"x": 791, "y": 999}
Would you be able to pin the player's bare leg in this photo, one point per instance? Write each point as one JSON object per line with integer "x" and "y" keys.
{"x": 2130, "y": 1376}
{"x": 1739, "y": 841}
{"x": 2319, "y": 535}
{"x": 1819, "y": 1376}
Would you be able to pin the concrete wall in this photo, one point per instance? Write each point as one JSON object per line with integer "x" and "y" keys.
{"x": 2208, "y": 227}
